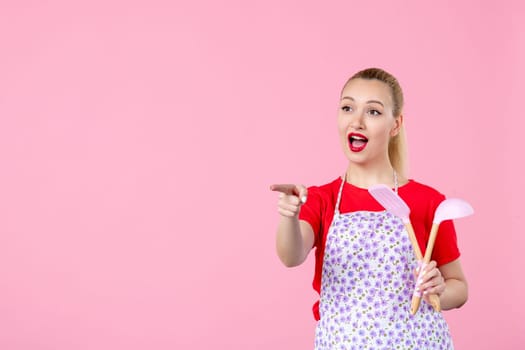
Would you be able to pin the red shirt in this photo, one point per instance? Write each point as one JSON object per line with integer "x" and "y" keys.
{"x": 422, "y": 200}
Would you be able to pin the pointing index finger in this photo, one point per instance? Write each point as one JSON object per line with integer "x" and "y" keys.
{"x": 284, "y": 188}
{"x": 291, "y": 189}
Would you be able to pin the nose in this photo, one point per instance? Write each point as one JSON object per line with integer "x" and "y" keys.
{"x": 357, "y": 121}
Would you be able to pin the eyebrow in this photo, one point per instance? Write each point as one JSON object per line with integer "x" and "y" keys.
{"x": 369, "y": 101}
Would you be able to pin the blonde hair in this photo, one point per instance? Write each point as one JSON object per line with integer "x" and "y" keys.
{"x": 397, "y": 147}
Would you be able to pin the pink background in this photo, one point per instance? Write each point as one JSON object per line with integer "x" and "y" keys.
{"x": 138, "y": 140}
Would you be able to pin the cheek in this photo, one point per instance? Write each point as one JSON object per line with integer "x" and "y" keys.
{"x": 341, "y": 128}
{"x": 342, "y": 124}
{"x": 386, "y": 129}
{"x": 381, "y": 134}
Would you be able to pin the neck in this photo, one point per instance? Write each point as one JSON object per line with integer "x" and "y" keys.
{"x": 366, "y": 176}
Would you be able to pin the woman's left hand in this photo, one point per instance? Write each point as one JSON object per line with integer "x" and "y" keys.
{"x": 431, "y": 281}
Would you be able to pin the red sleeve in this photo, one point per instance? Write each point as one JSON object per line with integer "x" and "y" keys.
{"x": 446, "y": 246}
{"x": 423, "y": 201}
{"x": 311, "y": 212}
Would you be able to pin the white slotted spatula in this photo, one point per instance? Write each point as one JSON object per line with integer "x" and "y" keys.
{"x": 397, "y": 206}
{"x": 452, "y": 208}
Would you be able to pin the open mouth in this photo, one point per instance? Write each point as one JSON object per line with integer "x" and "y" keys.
{"x": 357, "y": 142}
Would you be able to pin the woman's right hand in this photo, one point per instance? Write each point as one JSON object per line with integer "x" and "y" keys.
{"x": 295, "y": 238}
{"x": 291, "y": 198}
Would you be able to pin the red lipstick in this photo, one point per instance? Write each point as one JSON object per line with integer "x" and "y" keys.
{"x": 357, "y": 142}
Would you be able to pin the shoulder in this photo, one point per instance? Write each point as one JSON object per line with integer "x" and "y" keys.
{"x": 324, "y": 195}
{"x": 421, "y": 197}
{"x": 319, "y": 204}
{"x": 416, "y": 189}
{"x": 326, "y": 190}
{"x": 328, "y": 187}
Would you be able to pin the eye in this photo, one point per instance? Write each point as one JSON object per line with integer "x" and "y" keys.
{"x": 374, "y": 112}
{"x": 346, "y": 108}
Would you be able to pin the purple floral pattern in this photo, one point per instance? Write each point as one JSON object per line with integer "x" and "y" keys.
{"x": 367, "y": 286}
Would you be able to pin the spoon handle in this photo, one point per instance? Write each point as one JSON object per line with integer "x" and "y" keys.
{"x": 416, "y": 297}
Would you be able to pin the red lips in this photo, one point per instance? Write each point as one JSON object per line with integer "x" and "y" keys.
{"x": 357, "y": 142}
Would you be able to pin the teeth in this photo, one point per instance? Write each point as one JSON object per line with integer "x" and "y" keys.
{"x": 357, "y": 138}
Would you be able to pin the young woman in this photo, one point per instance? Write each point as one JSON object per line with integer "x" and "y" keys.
{"x": 365, "y": 266}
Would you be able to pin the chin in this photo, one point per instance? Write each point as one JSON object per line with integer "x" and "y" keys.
{"x": 354, "y": 158}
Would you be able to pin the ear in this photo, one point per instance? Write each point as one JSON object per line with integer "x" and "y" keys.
{"x": 398, "y": 122}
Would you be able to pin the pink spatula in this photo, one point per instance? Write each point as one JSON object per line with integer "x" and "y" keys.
{"x": 397, "y": 206}
{"x": 452, "y": 208}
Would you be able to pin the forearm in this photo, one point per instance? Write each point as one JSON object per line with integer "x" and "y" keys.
{"x": 290, "y": 242}
{"x": 454, "y": 295}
